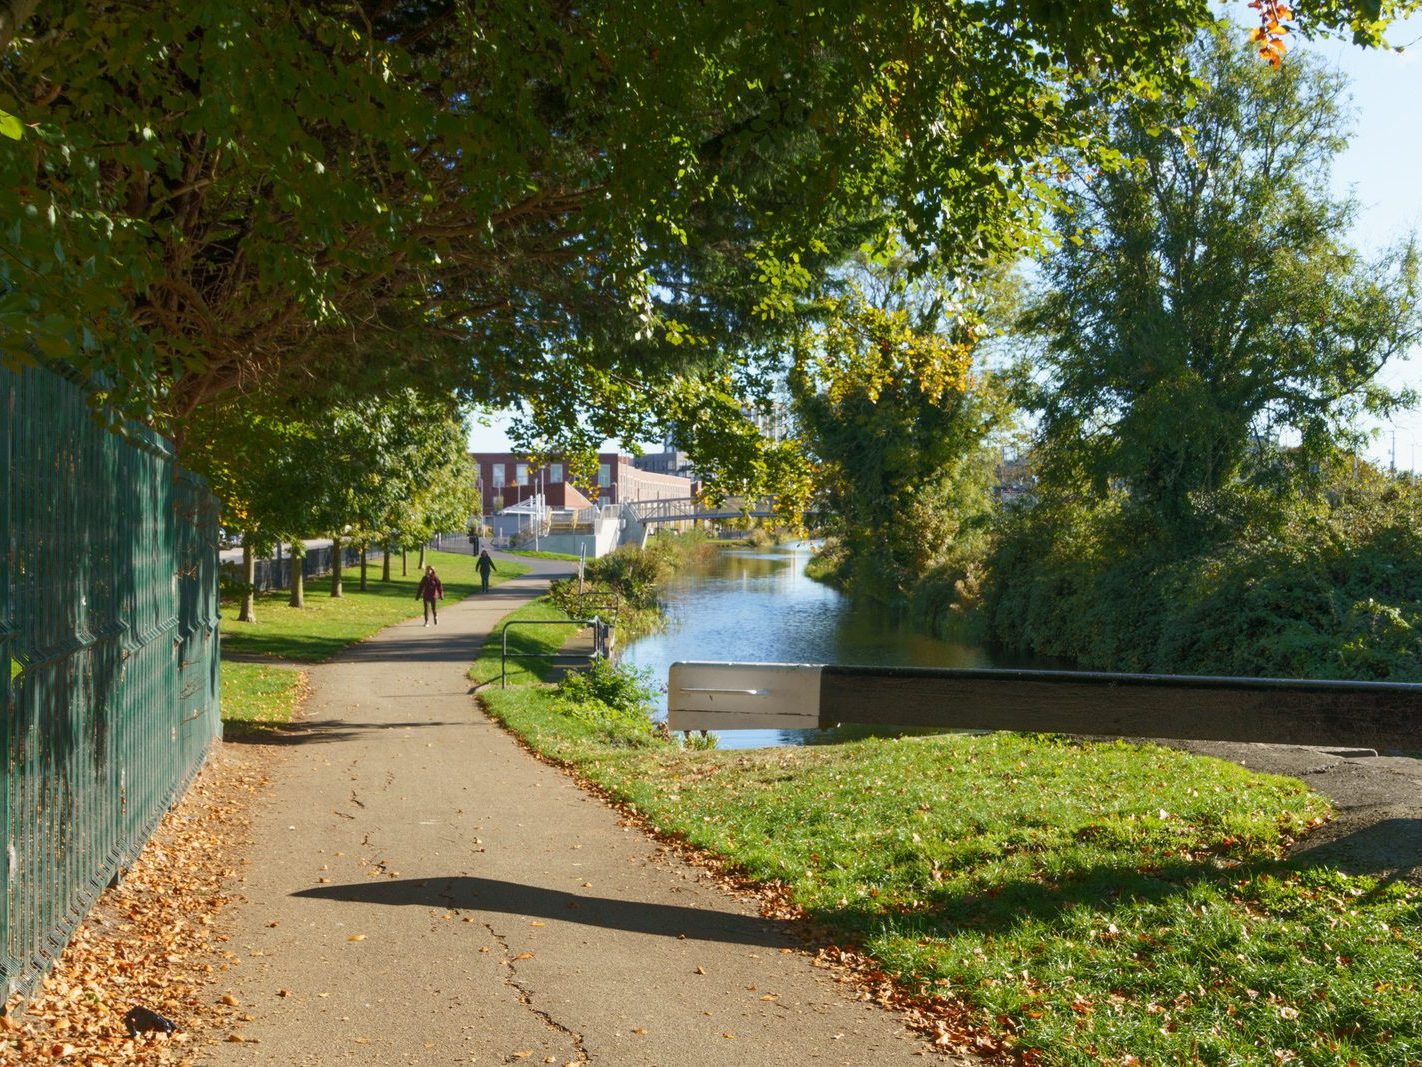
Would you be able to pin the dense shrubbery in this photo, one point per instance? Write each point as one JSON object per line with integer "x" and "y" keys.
{"x": 1330, "y": 589}
{"x": 613, "y": 700}
{"x": 623, "y": 585}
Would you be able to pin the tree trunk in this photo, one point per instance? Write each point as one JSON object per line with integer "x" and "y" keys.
{"x": 249, "y": 583}
{"x": 404, "y": 561}
{"x": 298, "y": 575}
{"x": 337, "y": 550}
{"x": 364, "y": 563}
{"x": 385, "y": 562}
{"x": 421, "y": 565}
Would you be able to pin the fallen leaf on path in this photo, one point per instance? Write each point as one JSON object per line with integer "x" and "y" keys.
{"x": 356, "y": 937}
{"x": 524, "y": 956}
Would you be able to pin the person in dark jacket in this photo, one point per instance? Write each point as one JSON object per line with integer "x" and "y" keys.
{"x": 430, "y": 590}
{"x": 485, "y": 565}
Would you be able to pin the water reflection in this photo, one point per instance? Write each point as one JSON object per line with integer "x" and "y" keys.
{"x": 757, "y": 606}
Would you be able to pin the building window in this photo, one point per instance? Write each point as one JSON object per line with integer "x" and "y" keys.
{"x": 555, "y": 473}
{"x": 604, "y": 474}
{"x": 521, "y": 473}
{"x": 497, "y": 470}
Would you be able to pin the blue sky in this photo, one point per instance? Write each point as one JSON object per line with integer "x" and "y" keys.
{"x": 1382, "y": 168}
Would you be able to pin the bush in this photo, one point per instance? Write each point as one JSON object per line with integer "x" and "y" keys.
{"x": 614, "y": 700}
{"x": 1328, "y": 588}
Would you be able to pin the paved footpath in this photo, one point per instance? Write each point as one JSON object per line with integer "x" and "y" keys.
{"x": 422, "y": 891}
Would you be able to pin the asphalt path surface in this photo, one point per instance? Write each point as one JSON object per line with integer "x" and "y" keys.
{"x": 420, "y": 890}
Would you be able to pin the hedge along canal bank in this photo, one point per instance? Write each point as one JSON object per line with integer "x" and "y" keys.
{"x": 421, "y": 890}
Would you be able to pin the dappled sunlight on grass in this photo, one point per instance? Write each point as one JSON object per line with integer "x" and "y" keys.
{"x": 325, "y": 626}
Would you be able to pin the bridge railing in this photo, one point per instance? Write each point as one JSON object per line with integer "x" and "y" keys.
{"x": 681, "y": 509}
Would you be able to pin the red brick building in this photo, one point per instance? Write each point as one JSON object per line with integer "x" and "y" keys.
{"x": 506, "y": 478}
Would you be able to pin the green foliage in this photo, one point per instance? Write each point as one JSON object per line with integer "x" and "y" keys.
{"x": 613, "y": 700}
{"x": 1202, "y": 300}
{"x": 1201, "y": 304}
{"x": 624, "y": 585}
{"x": 583, "y": 208}
{"x": 1328, "y": 589}
{"x": 393, "y": 467}
{"x": 631, "y": 573}
{"x": 897, "y": 428}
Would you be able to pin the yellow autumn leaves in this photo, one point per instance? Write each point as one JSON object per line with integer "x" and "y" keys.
{"x": 1269, "y": 34}
{"x": 864, "y": 349}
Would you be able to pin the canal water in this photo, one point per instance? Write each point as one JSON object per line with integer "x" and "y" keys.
{"x": 757, "y": 606}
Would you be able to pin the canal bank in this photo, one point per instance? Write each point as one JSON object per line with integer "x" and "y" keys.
{"x": 1066, "y": 893}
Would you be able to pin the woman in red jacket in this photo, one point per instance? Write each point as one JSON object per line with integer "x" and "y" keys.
{"x": 430, "y": 590}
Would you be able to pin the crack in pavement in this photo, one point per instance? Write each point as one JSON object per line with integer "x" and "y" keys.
{"x": 525, "y": 997}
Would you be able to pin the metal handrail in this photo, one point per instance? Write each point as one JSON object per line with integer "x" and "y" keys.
{"x": 601, "y": 634}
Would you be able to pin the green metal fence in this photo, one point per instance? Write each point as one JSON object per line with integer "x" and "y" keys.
{"x": 108, "y": 637}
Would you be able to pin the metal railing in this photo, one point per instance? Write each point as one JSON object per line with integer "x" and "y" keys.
{"x": 798, "y": 696}
{"x": 681, "y": 509}
{"x": 275, "y": 572}
{"x": 108, "y": 636}
{"x": 602, "y": 641}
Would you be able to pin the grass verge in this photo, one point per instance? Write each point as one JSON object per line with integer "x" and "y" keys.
{"x": 1084, "y": 902}
{"x": 542, "y": 639}
{"x": 325, "y": 626}
{"x": 257, "y": 698}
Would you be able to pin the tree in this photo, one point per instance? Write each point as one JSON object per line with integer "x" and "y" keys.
{"x": 895, "y": 421}
{"x": 459, "y": 195}
{"x": 1202, "y": 307}
{"x": 255, "y": 461}
{"x": 387, "y": 468}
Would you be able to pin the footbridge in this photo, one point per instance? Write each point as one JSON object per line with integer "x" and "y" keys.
{"x": 687, "y": 509}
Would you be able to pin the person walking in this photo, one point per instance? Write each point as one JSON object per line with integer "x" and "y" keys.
{"x": 430, "y": 590}
{"x": 485, "y": 565}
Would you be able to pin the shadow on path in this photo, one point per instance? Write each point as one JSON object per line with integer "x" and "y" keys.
{"x": 326, "y": 731}
{"x": 491, "y": 895}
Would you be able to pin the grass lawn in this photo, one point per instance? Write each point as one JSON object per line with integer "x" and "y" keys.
{"x": 324, "y": 626}
{"x": 540, "y": 639}
{"x": 257, "y": 698}
{"x": 1087, "y": 902}
{"x": 546, "y": 555}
